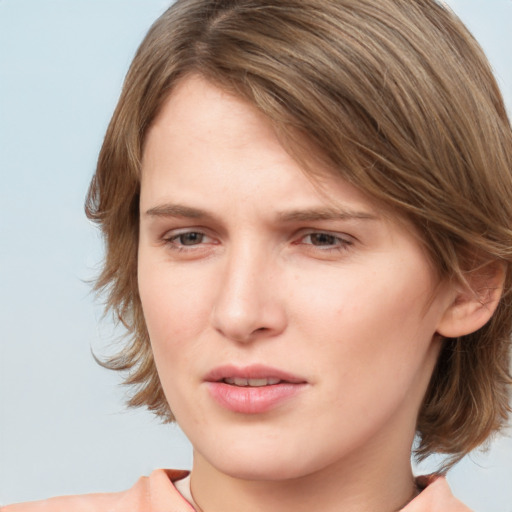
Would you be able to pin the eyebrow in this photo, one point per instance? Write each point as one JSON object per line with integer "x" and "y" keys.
{"x": 318, "y": 214}
{"x": 178, "y": 210}
{"x": 299, "y": 215}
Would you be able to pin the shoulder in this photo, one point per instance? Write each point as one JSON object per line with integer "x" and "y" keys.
{"x": 436, "y": 496}
{"x": 153, "y": 493}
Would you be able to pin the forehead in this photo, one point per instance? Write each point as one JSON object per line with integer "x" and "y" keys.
{"x": 197, "y": 112}
{"x": 203, "y": 134}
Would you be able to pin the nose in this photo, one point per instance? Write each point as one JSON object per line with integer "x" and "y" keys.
{"x": 248, "y": 304}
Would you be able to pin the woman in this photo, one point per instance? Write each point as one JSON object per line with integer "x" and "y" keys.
{"x": 306, "y": 211}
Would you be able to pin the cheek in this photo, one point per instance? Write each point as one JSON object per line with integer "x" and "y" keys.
{"x": 378, "y": 322}
{"x": 173, "y": 301}
{"x": 176, "y": 308}
{"x": 371, "y": 348}
{"x": 174, "y": 312}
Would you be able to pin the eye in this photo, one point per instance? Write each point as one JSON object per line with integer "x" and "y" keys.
{"x": 186, "y": 239}
{"x": 326, "y": 241}
{"x": 321, "y": 239}
{"x": 191, "y": 238}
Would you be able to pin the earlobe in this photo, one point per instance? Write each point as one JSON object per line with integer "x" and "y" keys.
{"x": 475, "y": 301}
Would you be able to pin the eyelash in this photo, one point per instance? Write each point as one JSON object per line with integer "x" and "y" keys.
{"x": 173, "y": 240}
{"x": 335, "y": 242}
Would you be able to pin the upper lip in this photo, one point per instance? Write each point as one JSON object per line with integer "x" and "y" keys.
{"x": 255, "y": 371}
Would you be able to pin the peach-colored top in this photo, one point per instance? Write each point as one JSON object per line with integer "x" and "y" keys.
{"x": 157, "y": 493}
{"x": 435, "y": 497}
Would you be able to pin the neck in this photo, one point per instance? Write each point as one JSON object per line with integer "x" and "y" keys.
{"x": 349, "y": 486}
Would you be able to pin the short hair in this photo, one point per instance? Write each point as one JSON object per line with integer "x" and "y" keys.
{"x": 399, "y": 99}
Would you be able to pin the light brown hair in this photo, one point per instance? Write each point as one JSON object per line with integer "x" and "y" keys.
{"x": 398, "y": 97}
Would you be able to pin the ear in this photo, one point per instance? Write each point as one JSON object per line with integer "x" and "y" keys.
{"x": 475, "y": 301}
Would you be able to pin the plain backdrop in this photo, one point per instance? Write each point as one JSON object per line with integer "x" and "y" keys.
{"x": 63, "y": 425}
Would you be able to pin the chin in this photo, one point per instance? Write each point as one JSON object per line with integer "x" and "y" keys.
{"x": 273, "y": 470}
{"x": 269, "y": 462}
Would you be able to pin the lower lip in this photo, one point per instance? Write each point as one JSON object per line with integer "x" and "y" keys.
{"x": 253, "y": 400}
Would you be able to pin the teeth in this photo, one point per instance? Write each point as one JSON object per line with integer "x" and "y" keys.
{"x": 256, "y": 383}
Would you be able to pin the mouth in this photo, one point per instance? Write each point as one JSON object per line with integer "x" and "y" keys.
{"x": 253, "y": 389}
{"x": 254, "y": 383}
{"x": 252, "y": 376}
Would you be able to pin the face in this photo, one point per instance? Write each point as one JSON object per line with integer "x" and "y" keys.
{"x": 283, "y": 312}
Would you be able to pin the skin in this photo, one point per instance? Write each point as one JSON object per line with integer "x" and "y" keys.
{"x": 237, "y": 267}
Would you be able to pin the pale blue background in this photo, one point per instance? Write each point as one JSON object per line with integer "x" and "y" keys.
{"x": 63, "y": 428}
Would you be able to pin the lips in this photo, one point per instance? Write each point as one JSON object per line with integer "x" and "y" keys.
{"x": 253, "y": 389}
{"x": 253, "y": 372}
